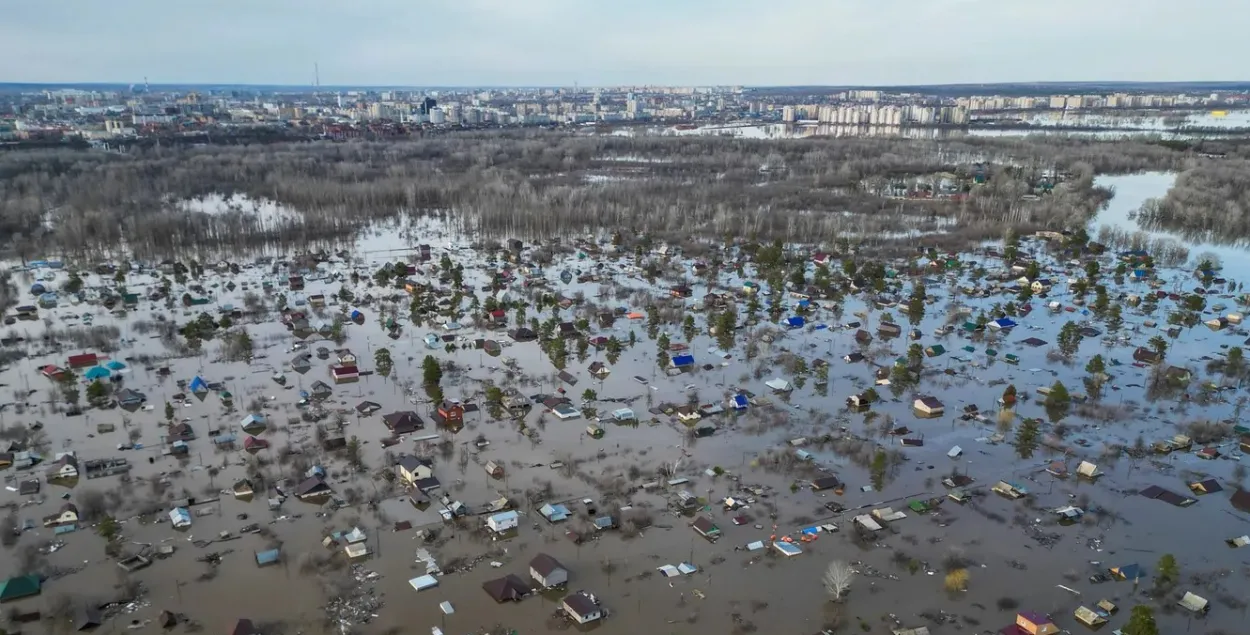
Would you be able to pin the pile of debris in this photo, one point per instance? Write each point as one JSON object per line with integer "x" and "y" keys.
{"x": 358, "y": 604}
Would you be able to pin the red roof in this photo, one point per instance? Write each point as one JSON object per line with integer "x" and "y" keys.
{"x": 84, "y": 359}
{"x": 254, "y": 443}
{"x": 339, "y": 371}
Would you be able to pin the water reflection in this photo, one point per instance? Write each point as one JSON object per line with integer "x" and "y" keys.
{"x": 1107, "y": 129}
{"x": 1121, "y": 213}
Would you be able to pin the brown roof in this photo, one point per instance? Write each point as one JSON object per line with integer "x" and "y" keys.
{"x": 545, "y": 565}
{"x": 509, "y": 587}
{"x": 580, "y": 604}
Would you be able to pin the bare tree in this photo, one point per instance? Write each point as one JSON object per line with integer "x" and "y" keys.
{"x": 838, "y": 578}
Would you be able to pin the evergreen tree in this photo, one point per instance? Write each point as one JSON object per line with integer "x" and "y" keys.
{"x": 1027, "y": 438}
{"x": 1141, "y": 621}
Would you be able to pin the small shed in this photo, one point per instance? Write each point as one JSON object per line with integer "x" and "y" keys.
{"x": 268, "y": 557}
{"x": 1194, "y": 603}
{"x": 421, "y": 583}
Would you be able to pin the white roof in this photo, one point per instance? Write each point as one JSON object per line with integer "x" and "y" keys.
{"x": 867, "y": 522}
{"x": 424, "y": 582}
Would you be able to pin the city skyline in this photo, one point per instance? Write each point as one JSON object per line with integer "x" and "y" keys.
{"x": 563, "y": 43}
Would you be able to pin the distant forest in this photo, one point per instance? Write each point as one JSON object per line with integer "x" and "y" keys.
{"x": 547, "y": 183}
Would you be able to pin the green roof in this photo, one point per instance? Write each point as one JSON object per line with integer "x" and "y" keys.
{"x": 918, "y": 506}
{"x": 19, "y": 587}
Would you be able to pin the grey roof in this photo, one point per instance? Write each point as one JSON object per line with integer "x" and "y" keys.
{"x": 411, "y": 463}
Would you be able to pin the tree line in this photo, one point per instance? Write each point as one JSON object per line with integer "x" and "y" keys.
{"x": 545, "y": 183}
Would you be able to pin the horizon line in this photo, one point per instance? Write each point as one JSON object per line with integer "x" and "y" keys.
{"x": 329, "y": 87}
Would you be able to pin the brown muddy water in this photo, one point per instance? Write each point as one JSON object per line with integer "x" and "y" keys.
{"x": 1016, "y": 554}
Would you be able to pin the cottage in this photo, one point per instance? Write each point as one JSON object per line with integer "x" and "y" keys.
{"x": 1010, "y": 490}
{"x": 928, "y": 406}
{"x": 683, "y": 362}
{"x": 1035, "y": 623}
{"x": 343, "y": 374}
{"x": 503, "y": 521}
{"x": 403, "y": 422}
{"x": 582, "y": 607}
{"x": 83, "y": 360}
{"x": 826, "y": 483}
{"x": 1089, "y": 617}
{"x": 494, "y": 469}
{"x": 253, "y": 423}
{"x": 413, "y": 469}
{"x": 312, "y": 487}
{"x": 65, "y": 467}
{"x": 706, "y": 528}
{"x": 450, "y": 414}
{"x": 68, "y": 515}
{"x": 554, "y": 513}
{"x": 130, "y": 398}
{"x": 548, "y": 572}
{"x": 889, "y": 329}
{"x": 862, "y": 400}
{"x": 599, "y": 369}
{"x": 688, "y": 414}
{"x": 508, "y": 588}
{"x": 1146, "y": 356}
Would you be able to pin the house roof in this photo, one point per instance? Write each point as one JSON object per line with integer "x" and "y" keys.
{"x": 580, "y": 604}
{"x": 311, "y": 485}
{"x": 1241, "y": 500}
{"x": 1034, "y": 617}
{"x": 404, "y": 420}
{"x": 509, "y": 587}
{"x": 243, "y": 627}
{"x": 411, "y": 463}
{"x": 19, "y": 587}
{"x": 704, "y": 525}
{"x": 545, "y": 565}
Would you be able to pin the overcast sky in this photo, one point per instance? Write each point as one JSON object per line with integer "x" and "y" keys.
{"x": 612, "y": 42}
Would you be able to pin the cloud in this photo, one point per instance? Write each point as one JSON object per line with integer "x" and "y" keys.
{"x": 546, "y": 42}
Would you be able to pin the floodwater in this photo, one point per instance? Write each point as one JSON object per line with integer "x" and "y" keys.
{"x": 1015, "y": 550}
{"x": 1075, "y": 124}
{"x": 1131, "y": 190}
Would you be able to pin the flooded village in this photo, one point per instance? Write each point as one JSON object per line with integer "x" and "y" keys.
{"x": 426, "y": 426}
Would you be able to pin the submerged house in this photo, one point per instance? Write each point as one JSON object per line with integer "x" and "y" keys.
{"x": 548, "y": 572}
{"x": 706, "y": 528}
{"x": 929, "y": 406}
{"x": 180, "y": 517}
